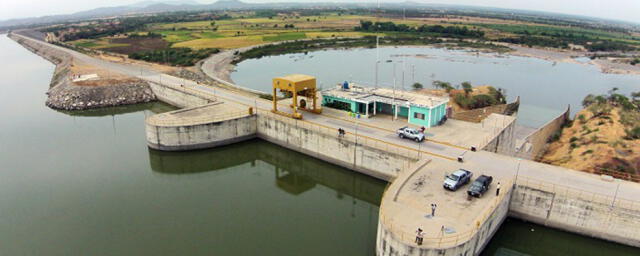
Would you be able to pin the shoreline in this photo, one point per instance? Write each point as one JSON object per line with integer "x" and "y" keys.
{"x": 222, "y": 68}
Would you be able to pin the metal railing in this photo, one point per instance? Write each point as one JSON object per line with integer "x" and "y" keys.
{"x": 353, "y": 137}
{"x": 575, "y": 193}
{"x": 441, "y": 239}
{"x": 154, "y": 120}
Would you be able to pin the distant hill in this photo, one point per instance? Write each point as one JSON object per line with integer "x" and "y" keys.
{"x": 153, "y": 6}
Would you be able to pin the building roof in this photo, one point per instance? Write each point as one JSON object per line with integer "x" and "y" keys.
{"x": 385, "y": 95}
{"x": 296, "y": 78}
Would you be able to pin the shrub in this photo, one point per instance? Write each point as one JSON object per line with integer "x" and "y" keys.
{"x": 633, "y": 134}
{"x": 464, "y": 101}
{"x": 573, "y": 139}
{"x": 417, "y": 86}
{"x": 581, "y": 118}
{"x": 483, "y": 100}
{"x": 573, "y": 145}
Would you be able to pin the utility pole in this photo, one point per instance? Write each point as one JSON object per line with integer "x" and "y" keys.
{"x": 377, "y": 44}
{"x": 413, "y": 74}
{"x": 403, "y": 69}
{"x": 394, "y": 92}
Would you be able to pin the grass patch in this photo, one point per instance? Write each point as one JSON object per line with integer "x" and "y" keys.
{"x": 285, "y": 37}
{"x": 224, "y": 43}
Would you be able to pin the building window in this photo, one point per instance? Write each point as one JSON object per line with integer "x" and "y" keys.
{"x": 418, "y": 115}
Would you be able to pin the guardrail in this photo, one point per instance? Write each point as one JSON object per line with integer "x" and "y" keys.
{"x": 154, "y": 120}
{"x": 356, "y": 138}
{"x": 617, "y": 174}
{"x": 446, "y": 241}
{"x": 561, "y": 190}
{"x": 442, "y": 240}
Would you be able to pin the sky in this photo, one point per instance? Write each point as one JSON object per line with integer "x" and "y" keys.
{"x": 628, "y": 10}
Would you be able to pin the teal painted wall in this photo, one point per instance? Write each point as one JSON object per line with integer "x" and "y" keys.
{"x": 328, "y": 99}
{"x": 416, "y": 121}
{"x": 436, "y": 115}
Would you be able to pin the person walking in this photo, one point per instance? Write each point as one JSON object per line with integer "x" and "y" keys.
{"x": 433, "y": 209}
{"x": 419, "y": 236}
{"x": 498, "y": 189}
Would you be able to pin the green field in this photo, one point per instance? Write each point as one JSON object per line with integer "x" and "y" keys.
{"x": 285, "y": 37}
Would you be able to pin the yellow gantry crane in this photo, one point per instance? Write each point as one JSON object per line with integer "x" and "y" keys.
{"x": 296, "y": 86}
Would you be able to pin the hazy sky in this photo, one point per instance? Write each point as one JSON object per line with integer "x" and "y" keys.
{"x": 615, "y": 9}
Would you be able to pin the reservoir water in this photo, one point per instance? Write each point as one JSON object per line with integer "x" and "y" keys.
{"x": 545, "y": 87}
{"x": 85, "y": 183}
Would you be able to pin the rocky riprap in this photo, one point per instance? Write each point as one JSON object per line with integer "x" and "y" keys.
{"x": 68, "y": 96}
{"x": 198, "y": 77}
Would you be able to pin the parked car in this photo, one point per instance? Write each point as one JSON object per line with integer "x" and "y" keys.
{"x": 410, "y": 133}
{"x": 457, "y": 179}
{"x": 480, "y": 185}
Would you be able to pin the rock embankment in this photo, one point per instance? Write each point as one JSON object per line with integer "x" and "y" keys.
{"x": 68, "y": 96}
{"x": 65, "y": 94}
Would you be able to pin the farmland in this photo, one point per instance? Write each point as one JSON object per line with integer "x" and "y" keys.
{"x": 241, "y": 29}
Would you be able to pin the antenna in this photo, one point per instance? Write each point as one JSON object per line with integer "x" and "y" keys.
{"x": 377, "y": 44}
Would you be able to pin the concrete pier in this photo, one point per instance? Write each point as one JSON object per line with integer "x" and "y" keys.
{"x": 200, "y": 127}
{"x": 460, "y": 225}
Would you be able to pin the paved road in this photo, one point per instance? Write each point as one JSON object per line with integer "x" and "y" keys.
{"x": 501, "y": 166}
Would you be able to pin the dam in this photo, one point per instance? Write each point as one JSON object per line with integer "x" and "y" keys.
{"x": 578, "y": 202}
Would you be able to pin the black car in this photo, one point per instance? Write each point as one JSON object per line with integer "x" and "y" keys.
{"x": 480, "y": 185}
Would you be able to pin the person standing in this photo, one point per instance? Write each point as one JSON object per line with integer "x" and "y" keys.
{"x": 419, "y": 236}
{"x": 498, "y": 189}
{"x": 433, "y": 210}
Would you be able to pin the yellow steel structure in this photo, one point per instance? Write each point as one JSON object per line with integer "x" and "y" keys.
{"x": 294, "y": 86}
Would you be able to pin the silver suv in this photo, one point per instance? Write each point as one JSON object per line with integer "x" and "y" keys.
{"x": 410, "y": 133}
{"x": 457, "y": 179}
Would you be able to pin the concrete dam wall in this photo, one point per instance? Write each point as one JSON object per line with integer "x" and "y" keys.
{"x": 577, "y": 211}
{"x": 357, "y": 153}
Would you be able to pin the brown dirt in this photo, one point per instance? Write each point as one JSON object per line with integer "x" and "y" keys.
{"x": 604, "y": 146}
{"x": 137, "y": 45}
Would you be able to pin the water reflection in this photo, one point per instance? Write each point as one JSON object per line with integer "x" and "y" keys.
{"x": 294, "y": 172}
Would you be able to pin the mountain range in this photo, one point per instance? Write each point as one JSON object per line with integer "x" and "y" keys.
{"x": 148, "y": 7}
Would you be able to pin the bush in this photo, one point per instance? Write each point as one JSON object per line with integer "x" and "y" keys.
{"x": 483, "y": 100}
{"x": 581, "y": 118}
{"x": 417, "y": 86}
{"x": 464, "y": 101}
{"x": 573, "y": 139}
{"x": 633, "y": 134}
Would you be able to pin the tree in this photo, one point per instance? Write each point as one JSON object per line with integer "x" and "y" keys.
{"x": 467, "y": 88}
{"x": 443, "y": 85}
{"x": 417, "y": 86}
{"x": 588, "y": 100}
{"x": 213, "y": 23}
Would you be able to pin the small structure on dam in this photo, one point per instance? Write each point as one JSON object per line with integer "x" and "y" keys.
{"x": 419, "y": 109}
{"x": 295, "y": 86}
